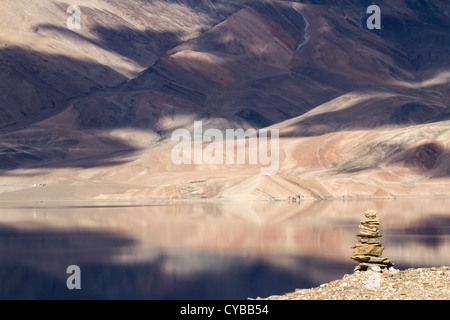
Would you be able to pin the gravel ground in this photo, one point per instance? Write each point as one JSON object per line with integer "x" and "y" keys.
{"x": 389, "y": 284}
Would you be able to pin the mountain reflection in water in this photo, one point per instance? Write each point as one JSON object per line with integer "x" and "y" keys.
{"x": 204, "y": 250}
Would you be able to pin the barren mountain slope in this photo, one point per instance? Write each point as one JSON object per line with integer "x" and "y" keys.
{"x": 44, "y": 64}
{"x": 361, "y": 113}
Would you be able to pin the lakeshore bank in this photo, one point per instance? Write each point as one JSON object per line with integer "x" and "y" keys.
{"x": 390, "y": 284}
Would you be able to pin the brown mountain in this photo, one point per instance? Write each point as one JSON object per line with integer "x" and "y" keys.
{"x": 44, "y": 65}
{"x": 361, "y": 113}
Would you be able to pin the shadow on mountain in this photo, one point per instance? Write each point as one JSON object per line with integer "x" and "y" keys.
{"x": 424, "y": 156}
{"x": 251, "y": 89}
{"x": 430, "y": 158}
{"x": 37, "y": 85}
{"x": 228, "y": 80}
{"x": 141, "y": 46}
{"x": 25, "y": 156}
{"x": 427, "y": 27}
{"x": 394, "y": 111}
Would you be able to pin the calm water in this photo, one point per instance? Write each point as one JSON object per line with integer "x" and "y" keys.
{"x": 205, "y": 250}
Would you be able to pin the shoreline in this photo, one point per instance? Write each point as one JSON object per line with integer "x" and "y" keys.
{"x": 431, "y": 283}
{"x": 224, "y": 200}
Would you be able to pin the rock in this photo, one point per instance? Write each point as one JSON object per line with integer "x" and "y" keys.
{"x": 367, "y": 228}
{"x": 382, "y": 260}
{"x": 370, "y": 214}
{"x": 368, "y": 234}
{"x": 369, "y": 240}
{"x": 369, "y": 250}
{"x": 364, "y": 239}
{"x": 374, "y": 240}
{"x": 395, "y": 273}
{"x": 361, "y": 258}
{"x": 376, "y": 260}
{"x": 367, "y": 222}
{"x": 374, "y": 268}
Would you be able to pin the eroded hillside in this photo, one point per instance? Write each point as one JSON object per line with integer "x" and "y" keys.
{"x": 361, "y": 113}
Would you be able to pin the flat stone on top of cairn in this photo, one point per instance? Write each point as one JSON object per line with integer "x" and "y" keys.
{"x": 368, "y": 252}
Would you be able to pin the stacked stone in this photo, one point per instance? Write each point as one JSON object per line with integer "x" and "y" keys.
{"x": 369, "y": 250}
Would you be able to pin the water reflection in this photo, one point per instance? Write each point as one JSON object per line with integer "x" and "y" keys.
{"x": 209, "y": 250}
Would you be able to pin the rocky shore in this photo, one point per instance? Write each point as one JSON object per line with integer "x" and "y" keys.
{"x": 380, "y": 284}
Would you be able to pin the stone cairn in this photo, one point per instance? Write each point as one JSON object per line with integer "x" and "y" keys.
{"x": 369, "y": 250}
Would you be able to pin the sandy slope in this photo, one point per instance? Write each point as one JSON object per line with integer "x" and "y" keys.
{"x": 385, "y": 163}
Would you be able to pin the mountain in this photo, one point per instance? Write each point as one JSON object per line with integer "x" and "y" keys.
{"x": 360, "y": 113}
{"x": 44, "y": 65}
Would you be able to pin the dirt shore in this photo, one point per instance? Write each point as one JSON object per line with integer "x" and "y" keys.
{"x": 393, "y": 284}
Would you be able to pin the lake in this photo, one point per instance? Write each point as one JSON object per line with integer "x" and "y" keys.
{"x": 204, "y": 250}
